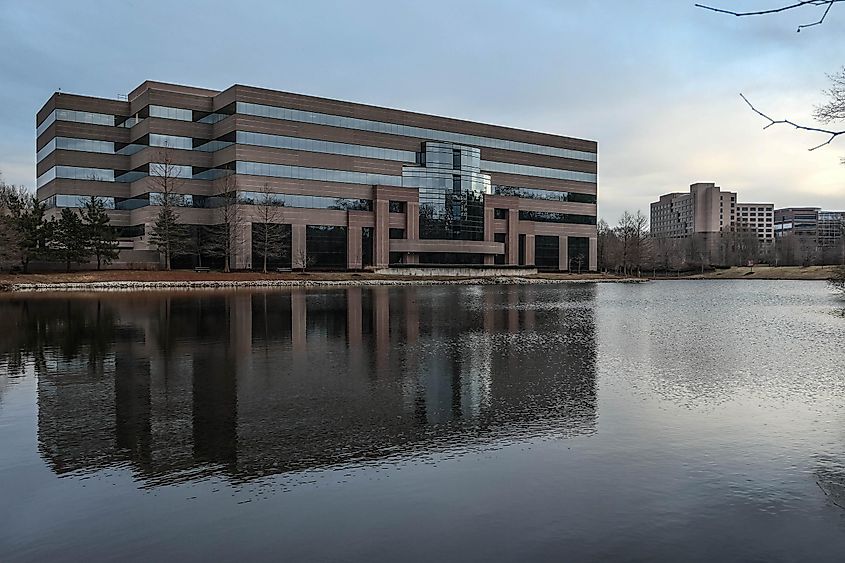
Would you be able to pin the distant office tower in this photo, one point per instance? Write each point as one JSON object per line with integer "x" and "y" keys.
{"x": 358, "y": 185}
{"x": 798, "y": 221}
{"x": 816, "y": 234}
{"x": 756, "y": 218}
{"x": 706, "y": 209}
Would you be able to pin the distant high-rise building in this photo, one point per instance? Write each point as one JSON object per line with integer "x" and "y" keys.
{"x": 757, "y": 218}
{"x": 706, "y": 209}
{"x": 799, "y": 221}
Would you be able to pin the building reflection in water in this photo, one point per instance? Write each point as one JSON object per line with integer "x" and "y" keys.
{"x": 247, "y": 384}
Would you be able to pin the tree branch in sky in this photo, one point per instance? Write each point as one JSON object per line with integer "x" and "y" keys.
{"x": 828, "y": 4}
{"x": 833, "y": 134}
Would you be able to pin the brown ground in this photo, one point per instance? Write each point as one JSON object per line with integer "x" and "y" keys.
{"x": 772, "y": 273}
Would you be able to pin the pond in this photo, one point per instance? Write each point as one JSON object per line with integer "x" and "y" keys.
{"x": 676, "y": 420}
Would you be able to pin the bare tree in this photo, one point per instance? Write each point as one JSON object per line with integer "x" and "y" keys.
{"x": 270, "y": 211}
{"x": 229, "y": 217}
{"x": 631, "y": 232}
{"x": 169, "y": 235}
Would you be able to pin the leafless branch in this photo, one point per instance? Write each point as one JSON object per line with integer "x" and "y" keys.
{"x": 833, "y": 134}
{"x": 828, "y": 3}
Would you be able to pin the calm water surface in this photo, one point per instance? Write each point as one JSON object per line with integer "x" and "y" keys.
{"x": 664, "y": 421}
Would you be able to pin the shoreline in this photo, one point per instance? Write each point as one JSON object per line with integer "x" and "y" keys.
{"x": 129, "y": 285}
{"x": 145, "y": 280}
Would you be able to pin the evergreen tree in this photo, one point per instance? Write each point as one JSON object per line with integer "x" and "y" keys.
{"x": 101, "y": 236}
{"x": 70, "y": 238}
{"x": 29, "y": 229}
{"x": 168, "y": 234}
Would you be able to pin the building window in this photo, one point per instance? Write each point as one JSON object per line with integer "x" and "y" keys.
{"x": 500, "y": 213}
{"x": 325, "y": 247}
{"x": 397, "y": 207}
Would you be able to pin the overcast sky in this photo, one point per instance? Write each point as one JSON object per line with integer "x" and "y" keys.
{"x": 655, "y": 82}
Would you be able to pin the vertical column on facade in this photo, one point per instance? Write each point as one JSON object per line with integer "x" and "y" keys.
{"x": 242, "y": 246}
{"x": 529, "y": 249}
{"x": 563, "y": 253}
{"x": 412, "y": 228}
{"x": 381, "y": 242}
{"x": 354, "y": 255}
{"x": 489, "y": 259}
{"x": 512, "y": 250}
{"x": 594, "y": 254}
{"x": 297, "y": 247}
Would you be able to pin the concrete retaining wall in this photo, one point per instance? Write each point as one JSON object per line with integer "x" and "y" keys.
{"x": 458, "y": 271}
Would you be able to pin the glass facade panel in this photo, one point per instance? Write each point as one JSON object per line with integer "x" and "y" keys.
{"x": 171, "y": 113}
{"x": 75, "y": 116}
{"x": 325, "y": 247}
{"x": 547, "y": 252}
{"x": 579, "y": 253}
{"x": 306, "y": 201}
{"x": 320, "y": 174}
{"x": 75, "y": 173}
{"x": 69, "y": 144}
{"x": 537, "y": 171}
{"x": 78, "y": 201}
{"x": 534, "y": 193}
{"x": 406, "y": 130}
{"x": 171, "y": 141}
{"x": 171, "y": 170}
{"x": 328, "y": 147}
{"x": 549, "y": 217}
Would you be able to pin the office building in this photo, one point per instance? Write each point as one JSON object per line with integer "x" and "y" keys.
{"x": 359, "y": 186}
{"x": 705, "y": 210}
{"x": 756, "y": 218}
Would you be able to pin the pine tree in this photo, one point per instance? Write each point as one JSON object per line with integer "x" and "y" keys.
{"x": 30, "y": 231}
{"x": 70, "y": 238}
{"x": 168, "y": 234}
{"x": 101, "y": 237}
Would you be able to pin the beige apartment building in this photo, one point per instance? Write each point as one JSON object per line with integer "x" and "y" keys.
{"x": 706, "y": 210}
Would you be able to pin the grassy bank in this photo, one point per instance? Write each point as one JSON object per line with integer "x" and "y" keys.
{"x": 771, "y": 273}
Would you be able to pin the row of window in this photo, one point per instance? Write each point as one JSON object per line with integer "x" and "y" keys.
{"x": 75, "y": 173}
{"x": 534, "y": 193}
{"x": 320, "y": 119}
{"x": 549, "y": 217}
{"x": 538, "y": 171}
{"x": 406, "y": 130}
{"x": 69, "y": 144}
{"x": 328, "y": 147}
{"x": 320, "y": 174}
{"x": 455, "y": 217}
{"x": 306, "y": 201}
{"x": 75, "y": 116}
{"x": 296, "y": 143}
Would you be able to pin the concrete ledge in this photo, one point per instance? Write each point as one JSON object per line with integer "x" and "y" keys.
{"x": 457, "y": 271}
